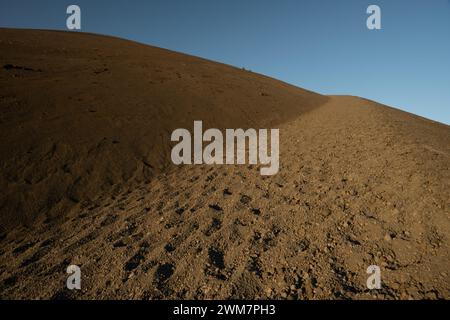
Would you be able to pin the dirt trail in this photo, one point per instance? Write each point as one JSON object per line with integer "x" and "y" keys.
{"x": 359, "y": 184}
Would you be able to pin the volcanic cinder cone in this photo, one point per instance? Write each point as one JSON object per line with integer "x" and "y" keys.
{"x": 86, "y": 179}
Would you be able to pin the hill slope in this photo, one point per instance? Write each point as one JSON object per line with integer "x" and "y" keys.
{"x": 81, "y": 114}
{"x": 359, "y": 183}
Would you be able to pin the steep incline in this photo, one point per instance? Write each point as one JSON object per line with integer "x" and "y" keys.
{"x": 83, "y": 114}
{"x": 359, "y": 184}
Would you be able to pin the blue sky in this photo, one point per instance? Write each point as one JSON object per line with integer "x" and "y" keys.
{"x": 320, "y": 45}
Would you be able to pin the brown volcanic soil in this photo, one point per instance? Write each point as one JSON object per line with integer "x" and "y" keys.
{"x": 86, "y": 179}
{"x": 82, "y": 114}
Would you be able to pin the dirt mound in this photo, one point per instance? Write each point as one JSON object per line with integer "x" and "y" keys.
{"x": 82, "y": 114}
{"x": 359, "y": 184}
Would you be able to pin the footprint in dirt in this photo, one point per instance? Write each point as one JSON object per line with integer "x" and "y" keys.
{"x": 216, "y": 265}
{"x": 35, "y": 257}
{"x": 81, "y": 242}
{"x": 254, "y": 265}
{"x": 110, "y": 219}
{"x": 245, "y": 199}
{"x": 216, "y": 258}
{"x": 169, "y": 247}
{"x": 21, "y": 249}
{"x": 215, "y": 225}
{"x": 136, "y": 260}
{"x": 47, "y": 242}
{"x": 215, "y": 207}
{"x": 163, "y": 273}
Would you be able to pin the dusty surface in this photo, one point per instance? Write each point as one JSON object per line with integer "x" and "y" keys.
{"x": 82, "y": 114}
{"x": 359, "y": 183}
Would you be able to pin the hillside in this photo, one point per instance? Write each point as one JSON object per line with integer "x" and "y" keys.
{"x": 82, "y": 114}
{"x": 86, "y": 180}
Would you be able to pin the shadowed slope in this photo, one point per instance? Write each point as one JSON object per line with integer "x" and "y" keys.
{"x": 81, "y": 114}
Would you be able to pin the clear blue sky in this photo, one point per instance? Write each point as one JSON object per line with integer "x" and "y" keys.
{"x": 321, "y": 45}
